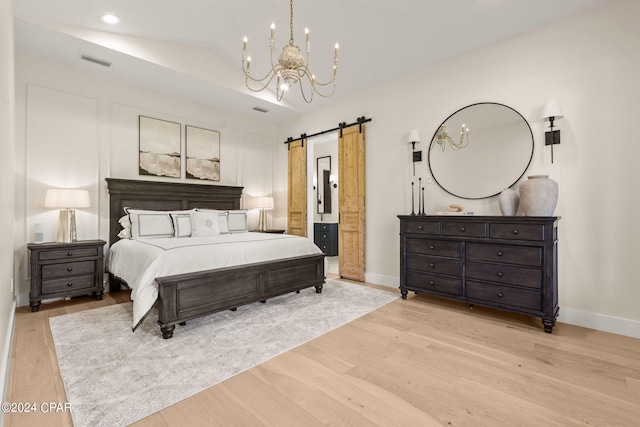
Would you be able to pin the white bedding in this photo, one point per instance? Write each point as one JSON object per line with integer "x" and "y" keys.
{"x": 139, "y": 262}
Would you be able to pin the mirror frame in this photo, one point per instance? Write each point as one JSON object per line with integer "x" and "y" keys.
{"x": 323, "y": 187}
{"x": 431, "y": 145}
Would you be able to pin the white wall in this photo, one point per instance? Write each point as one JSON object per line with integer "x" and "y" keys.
{"x": 590, "y": 65}
{"x": 7, "y": 147}
{"x": 76, "y": 128}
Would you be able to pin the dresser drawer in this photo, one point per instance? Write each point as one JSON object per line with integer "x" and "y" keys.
{"x": 503, "y": 273}
{"x": 421, "y": 227}
{"x": 434, "y": 283}
{"x": 515, "y": 231}
{"x": 464, "y": 228}
{"x": 68, "y": 253}
{"x": 434, "y": 247}
{"x": 68, "y": 284}
{"x": 521, "y": 298}
{"x": 435, "y": 265}
{"x": 67, "y": 269}
{"x": 521, "y": 255}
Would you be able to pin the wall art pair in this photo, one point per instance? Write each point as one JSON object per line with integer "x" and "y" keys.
{"x": 160, "y": 152}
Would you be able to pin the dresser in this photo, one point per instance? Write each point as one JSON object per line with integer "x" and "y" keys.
{"x": 65, "y": 269}
{"x": 510, "y": 263}
{"x": 325, "y": 236}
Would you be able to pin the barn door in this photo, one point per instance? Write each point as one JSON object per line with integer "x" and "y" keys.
{"x": 297, "y": 199}
{"x": 351, "y": 200}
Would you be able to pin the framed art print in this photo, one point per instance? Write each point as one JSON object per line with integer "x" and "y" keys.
{"x": 160, "y": 152}
{"x": 203, "y": 153}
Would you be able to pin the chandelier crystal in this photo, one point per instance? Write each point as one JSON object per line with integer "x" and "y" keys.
{"x": 442, "y": 137}
{"x": 292, "y": 67}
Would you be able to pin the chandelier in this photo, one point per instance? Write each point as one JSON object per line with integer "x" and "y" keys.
{"x": 442, "y": 137}
{"x": 291, "y": 68}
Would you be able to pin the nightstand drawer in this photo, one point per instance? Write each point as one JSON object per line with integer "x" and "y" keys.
{"x": 68, "y": 284}
{"x": 68, "y": 269}
{"x": 67, "y": 253}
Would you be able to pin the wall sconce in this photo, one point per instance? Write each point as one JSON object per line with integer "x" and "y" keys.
{"x": 414, "y": 138}
{"x": 67, "y": 199}
{"x": 551, "y": 113}
{"x": 333, "y": 179}
{"x": 263, "y": 203}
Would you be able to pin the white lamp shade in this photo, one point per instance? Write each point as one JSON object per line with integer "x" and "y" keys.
{"x": 262, "y": 202}
{"x": 66, "y": 198}
{"x": 552, "y": 109}
{"x": 414, "y": 136}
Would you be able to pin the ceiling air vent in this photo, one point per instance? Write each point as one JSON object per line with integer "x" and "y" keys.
{"x": 262, "y": 110}
{"x": 95, "y": 60}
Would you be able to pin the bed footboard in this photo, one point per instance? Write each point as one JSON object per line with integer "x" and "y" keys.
{"x": 188, "y": 296}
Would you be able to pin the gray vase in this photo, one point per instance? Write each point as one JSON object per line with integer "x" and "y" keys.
{"x": 538, "y": 195}
{"x": 509, "y": 199}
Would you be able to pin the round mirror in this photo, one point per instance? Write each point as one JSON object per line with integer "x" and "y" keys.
{"x": 480, "y": 150}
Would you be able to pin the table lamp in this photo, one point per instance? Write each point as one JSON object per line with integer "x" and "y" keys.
{"x": 67, "y": 199}
{"x": 263, "y": 203}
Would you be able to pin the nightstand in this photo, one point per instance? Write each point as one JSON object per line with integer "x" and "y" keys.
{"x": 65, "y": 269}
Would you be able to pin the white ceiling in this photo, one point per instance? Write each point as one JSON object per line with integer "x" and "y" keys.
{"x": 192, "y": 48}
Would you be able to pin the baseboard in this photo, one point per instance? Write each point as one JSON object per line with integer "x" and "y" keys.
{"x": 6, "y": 355}
{"x": 379, "y": 279}
{"x": 600, "y": 322}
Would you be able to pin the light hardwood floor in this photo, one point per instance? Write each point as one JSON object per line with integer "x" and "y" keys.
{"x": 424, "y": 361}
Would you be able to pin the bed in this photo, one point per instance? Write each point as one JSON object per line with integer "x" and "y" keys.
{"x": 188, "y": 295}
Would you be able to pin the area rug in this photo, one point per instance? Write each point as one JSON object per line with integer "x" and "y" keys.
{"x": 114, "y": 377}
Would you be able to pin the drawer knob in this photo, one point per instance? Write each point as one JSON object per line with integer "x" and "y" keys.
{"x": 500, "y": 294}
{"x": 70, "y": 284}
{"x": 515, "y": 231}
{"x": 463, "y": 229}
{"x": 432, "y": 247}
{"x": 69, "y": 253}
{"x": 500, "y": 253}
{"x": 432, "y": 282}
{"x": 420, "y": 227}
{"x": 432, "y": 265}
{"x": 69, "y": 268}
{"x": 500, "y": 274}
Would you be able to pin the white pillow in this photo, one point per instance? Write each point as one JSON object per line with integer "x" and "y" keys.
{"x": 150, "y": 224}
{"x": 205, "y": 223}
{"x": 222, "y": 219}
{"x": 182, "y": 224}
{"x": 237, "y": 221}
{"x": 125, "y": 233}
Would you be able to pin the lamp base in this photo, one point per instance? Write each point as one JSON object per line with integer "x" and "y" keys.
{"x": 67, "y": 226}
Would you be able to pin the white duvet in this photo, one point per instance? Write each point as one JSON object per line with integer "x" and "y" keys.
{"x": 139, "y": 262}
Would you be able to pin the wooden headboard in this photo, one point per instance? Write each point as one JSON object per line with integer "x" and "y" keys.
{"x": 165, "y": 196}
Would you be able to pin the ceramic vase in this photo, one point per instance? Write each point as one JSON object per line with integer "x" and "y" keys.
{"x": 509, "y": 199}
{"x": 538, "y": 195}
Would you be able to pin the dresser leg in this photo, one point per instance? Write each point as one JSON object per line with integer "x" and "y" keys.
{"x": 404, "y": 293}
{"x": 548, "y": 325}
{"x": 35, "y": 306}
{"x": 167, "y": 331}
{"x": 98, "y": 295}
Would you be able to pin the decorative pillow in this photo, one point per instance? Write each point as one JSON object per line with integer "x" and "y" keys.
{"x": 238, "y": 221}
{"x": 222, "y": 219}
{"x": 125, "y": 233}
{"x": 182, "y": 224}
{"x": 205, "y": 223}
{"x": 150, "y": 224}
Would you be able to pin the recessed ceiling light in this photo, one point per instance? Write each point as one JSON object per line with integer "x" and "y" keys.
{"x": 110, "y": 19}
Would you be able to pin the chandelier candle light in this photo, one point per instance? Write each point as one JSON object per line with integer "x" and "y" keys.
{"x": 290, "y": 69}
{"x": 442, "y": 137}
